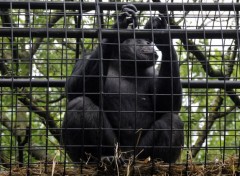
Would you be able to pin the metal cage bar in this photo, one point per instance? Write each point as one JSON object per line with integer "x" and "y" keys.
{"x": 210, "y": 94}
{"x": 111, "y": 6}
{"x": 93, "y": 33}
{"x": 61, "y": 83}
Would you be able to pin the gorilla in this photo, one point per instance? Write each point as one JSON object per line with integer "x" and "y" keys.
{"x": 118, "y": 96}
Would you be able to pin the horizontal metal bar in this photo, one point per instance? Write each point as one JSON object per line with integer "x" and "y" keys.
{"x": 107, "y": 33}
{"x": 61, "y": 83}
{"x": 113, "y": 6}
{"x": 31, "y": 83}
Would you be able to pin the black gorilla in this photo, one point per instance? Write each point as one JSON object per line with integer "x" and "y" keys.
{"x": 124, "y": 99}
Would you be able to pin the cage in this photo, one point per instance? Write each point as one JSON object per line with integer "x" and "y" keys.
{"x": 45, "y": 106}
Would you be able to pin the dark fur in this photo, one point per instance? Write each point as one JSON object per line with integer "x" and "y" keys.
{"x": 134, "y": 96}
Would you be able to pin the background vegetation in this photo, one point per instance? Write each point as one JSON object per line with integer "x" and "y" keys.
{"x": 30, "y": 117}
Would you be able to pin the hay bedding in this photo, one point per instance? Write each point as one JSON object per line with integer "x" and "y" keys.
{"x": 229, "y": 167}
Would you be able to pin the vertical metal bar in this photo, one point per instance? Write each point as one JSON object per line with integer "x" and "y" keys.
{"x": 100, "y": 57}
{"x": 136, "y": 92}
{"x": 47, "y": 89}
{"x": 30, "y": 91}
{"x": 224, "y": 73}
{"x": 120, "y": 75}
{"x": 236, "y": 12}
{"x": 154, "y": 91}
{"x": 206, "y": 147}
{"x": 64, "y": 27}
{"x": 12, "y": 101}
{"x": 189, "y": 97}
{"x": 172, "y": 79}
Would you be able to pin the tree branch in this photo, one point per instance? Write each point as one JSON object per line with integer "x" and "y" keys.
{"x": 47, "y": 117}
{"x": 37, "y": 152}
{"x": 213, "y": 116}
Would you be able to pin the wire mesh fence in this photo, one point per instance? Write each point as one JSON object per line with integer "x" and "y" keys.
{"x": 112, "y": 87}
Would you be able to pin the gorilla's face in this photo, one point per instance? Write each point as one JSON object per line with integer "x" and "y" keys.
{"x": 138, "y": 51}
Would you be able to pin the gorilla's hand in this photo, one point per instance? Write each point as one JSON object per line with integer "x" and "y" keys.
{"x": 159, "y": 23}
{"x": 127, "y": 17}
{"x": 156, "y": 23}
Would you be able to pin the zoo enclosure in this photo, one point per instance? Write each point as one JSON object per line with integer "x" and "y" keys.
{"x": 33, "y": 78}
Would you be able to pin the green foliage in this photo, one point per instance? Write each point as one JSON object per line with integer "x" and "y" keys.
{"x": 200, "y": 102}
{"x": 54, "y": 58}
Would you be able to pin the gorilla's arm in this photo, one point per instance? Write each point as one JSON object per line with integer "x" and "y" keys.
{"x": 169, "y": 88}
{"x": 86, "y": 75}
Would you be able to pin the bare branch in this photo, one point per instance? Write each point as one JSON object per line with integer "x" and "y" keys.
{"x": 35, "y": 150}
{"x": 47, "y": 117}
{"x": 212, "y": 117}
